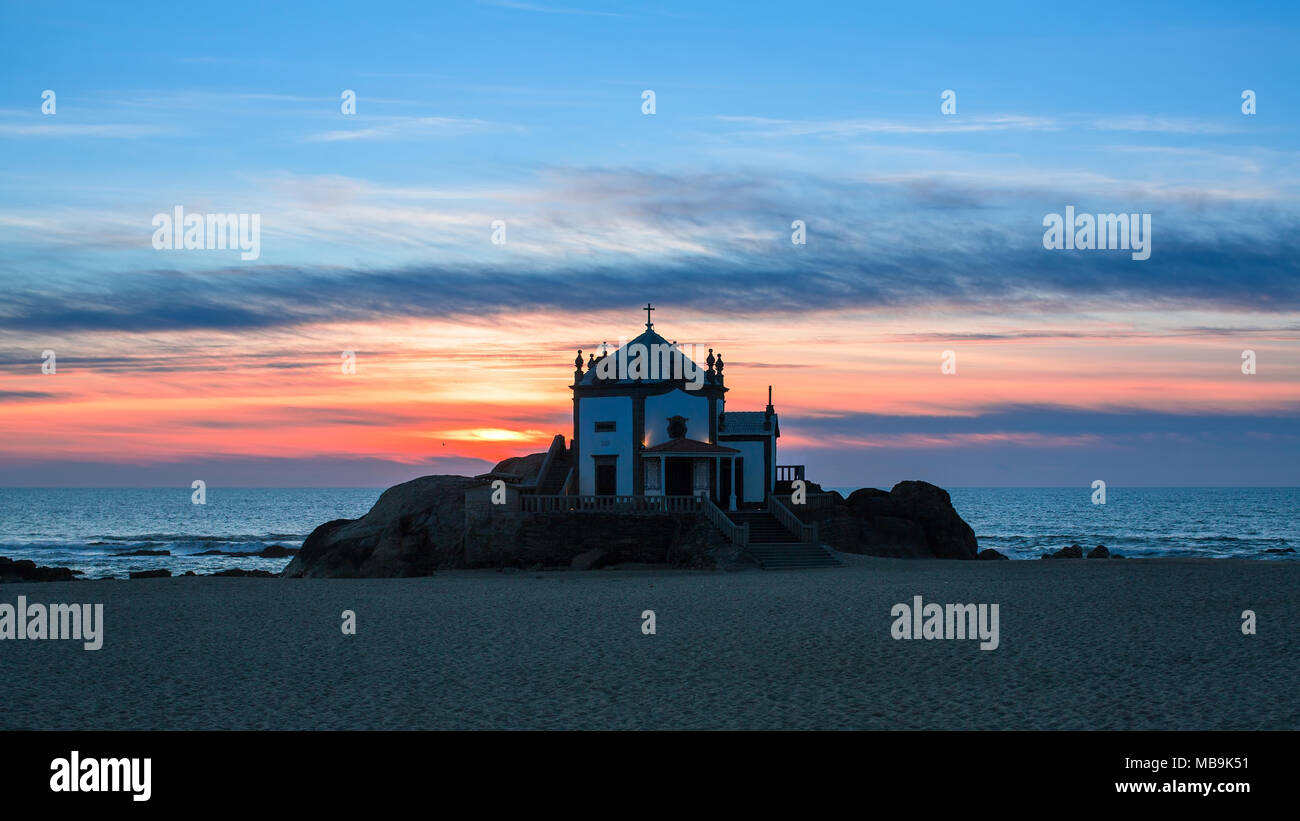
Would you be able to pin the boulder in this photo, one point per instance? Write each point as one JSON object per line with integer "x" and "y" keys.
{"x": 145, "y": 552}
{"x": 913, "y": 520}
{"x": 26, "y": 570}
{"x": 525, "y": 467}
{"x": 1071, "y": 552}
{"x": 160, "y": 573}
{"x": 1099, "y": 552}
{"x": 989, "y": 553}
{"x": 414, "y": 528}
{"x": 240, "y": 572}
{"x": 1279, "y": 550}
{"x": 277, "y": 551}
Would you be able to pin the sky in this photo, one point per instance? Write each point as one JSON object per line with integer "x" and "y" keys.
{"x": 924, "y": 234}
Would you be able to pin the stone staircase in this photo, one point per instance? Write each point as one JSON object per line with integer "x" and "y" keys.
{"x": 775, "y": 548}
{"x": 553, "y": 482}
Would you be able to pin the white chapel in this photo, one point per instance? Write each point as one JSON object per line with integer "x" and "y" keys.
{"x": 649, "y": 421}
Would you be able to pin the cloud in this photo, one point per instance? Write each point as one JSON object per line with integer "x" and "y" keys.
{"x": 541, "y": 9}
{"x": 120, "y": 131}
{"x": 398, "y": 128}
{"x": 716, "y": 240}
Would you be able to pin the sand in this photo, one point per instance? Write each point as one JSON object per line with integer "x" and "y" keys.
{"x": 1084, "y": 644}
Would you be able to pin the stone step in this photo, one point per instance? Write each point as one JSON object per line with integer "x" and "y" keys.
{"x": 792, "y": 556}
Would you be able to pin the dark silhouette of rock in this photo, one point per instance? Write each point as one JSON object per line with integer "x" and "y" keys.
{"x": 160, "y": 573}
{"x": 1279, "y": 550}
{"x": 420, "y": 526}
{"x": 589, "y": 559}
{"x": 989, "y": 553}
{"x": 240, "y": 572}
{"x": 275, "y": 551}
{"x": 525, "y": 467}
{"x": 414, "y": 528}
{"x": 913, "y": 520}
{"x": 1099, "y": 552}
{"x": 145, "y": 552}
{"x": 26, "y": 570}
{"x": 1071, "y": 552}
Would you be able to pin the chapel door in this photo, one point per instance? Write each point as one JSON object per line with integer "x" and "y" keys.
{"x": 677, "y": 476}
{"x": 606, "y": 479}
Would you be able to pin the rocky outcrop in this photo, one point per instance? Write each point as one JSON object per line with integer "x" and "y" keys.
{"x": 1099, "y": 552}
{"x": 913, "y": 520}
{"x": 414, "y": 528}
{"x": 1071, "y": 552}
{"x": 25, "y": 570}
{"x": 525, "y": 467}
{"x": 161, "y": 573}
{"x": 989, "y": 553}
{"x": 274, "y": 551}
{"x": 591, "y": 540}
{"x": 421, "y": 526}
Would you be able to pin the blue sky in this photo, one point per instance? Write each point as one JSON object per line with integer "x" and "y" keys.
{"x": 922, "y": 226}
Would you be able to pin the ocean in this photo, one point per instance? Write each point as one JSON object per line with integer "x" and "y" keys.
{"x": 89, "y": 529}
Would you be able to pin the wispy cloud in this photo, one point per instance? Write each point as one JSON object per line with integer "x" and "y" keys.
{"x": 543, "y": 9}
{"x": 405, "y": 128}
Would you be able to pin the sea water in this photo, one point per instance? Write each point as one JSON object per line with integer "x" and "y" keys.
{"x": 90, "y": 529}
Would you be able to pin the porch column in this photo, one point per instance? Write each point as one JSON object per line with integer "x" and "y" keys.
{"x": 663, "y": 486}
{"x": 733, "y": 483}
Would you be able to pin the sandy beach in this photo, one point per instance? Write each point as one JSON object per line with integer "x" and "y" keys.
{"x": 1133, "y": 644}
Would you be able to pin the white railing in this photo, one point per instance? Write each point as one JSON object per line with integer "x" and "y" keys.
{"x": 784, "y": 515}
{"x": 812, "y": 501}
{"x": 539, "y": 503}
{"x": 788, "y": 473}
{"x": 736, "y": 534}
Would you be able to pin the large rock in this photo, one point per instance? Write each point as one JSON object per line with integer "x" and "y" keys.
{"x": 588, "y": 540}
{"x": 26, "y": 570}
{"x": 1071, "y": 552}
{"x": 414, "y": 528}
{"x": 160, "y": 573}
{"x": 913, "y": 520}
{"x": 525, "y": 467}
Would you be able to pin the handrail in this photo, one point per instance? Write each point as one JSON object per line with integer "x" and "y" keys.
{"x": 557, "y": 441}
{"x": 812, "y": 501}
{"x": 549, "y": 503}
{"x": 736, "y": 534}
{"x": 788, "y": 473}
{"x": 784, "y": 515}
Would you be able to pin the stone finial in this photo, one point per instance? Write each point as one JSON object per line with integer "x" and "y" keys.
{"x": 577, "y": 361}
{"x": 710, "y": 360}
{"x": 720, "y": 364}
